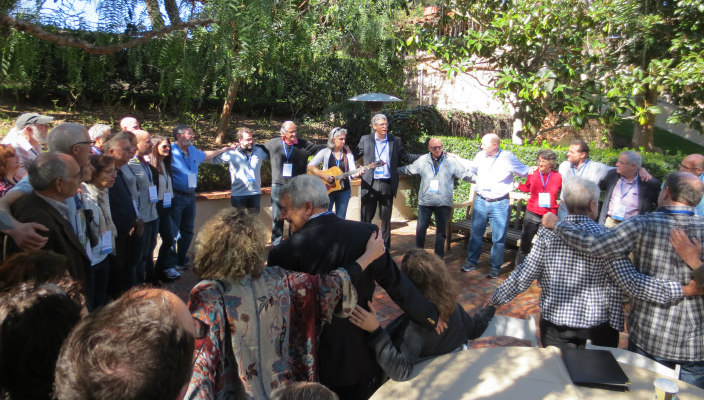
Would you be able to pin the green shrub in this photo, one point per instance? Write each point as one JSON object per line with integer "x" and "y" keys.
{"x": 658, "y": 165}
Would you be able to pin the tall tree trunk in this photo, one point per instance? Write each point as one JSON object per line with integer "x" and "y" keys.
{"x": 227, "y": 110}
{"x": 172, "y": 11}
{"x": 643, "y": 134}
{"x": 154, "y": 14}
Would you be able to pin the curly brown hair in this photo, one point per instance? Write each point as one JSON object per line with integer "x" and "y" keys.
{"x": 230, "y": 246}
{"x": 6, "y": 152}
{"x": 429, "y": 274}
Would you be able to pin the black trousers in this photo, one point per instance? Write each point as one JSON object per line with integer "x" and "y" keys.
{"x": 564, "y": 337}
{"x": 531, "y": 223}
{"x": 379, "y": 194}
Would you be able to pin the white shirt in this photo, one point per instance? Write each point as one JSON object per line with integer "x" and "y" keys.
{"x": 495, "y": 174}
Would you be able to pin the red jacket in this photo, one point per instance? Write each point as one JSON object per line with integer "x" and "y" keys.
{"x": 534, "y": 186}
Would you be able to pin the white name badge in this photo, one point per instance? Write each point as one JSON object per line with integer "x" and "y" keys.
{"x": 167, "y": 199}
{"x": 378, "y": 171}
{"x": 192, "y": 180}
{"x": 106, "y": 243}
{"x": 434, "y": 186}
{"x": 250, "y": 176}
{"x": 153, "y": 195}
{"x": 544, "y": 200}
{"x": 619, "y": 212}
{"x": 288, "y": 170}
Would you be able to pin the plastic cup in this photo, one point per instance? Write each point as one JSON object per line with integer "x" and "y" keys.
{"x": 665, "y": 389}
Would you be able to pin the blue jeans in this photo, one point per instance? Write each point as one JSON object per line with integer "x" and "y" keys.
{"x": 441, "y": 216}
{"x": 496, "y": 212}
{"x": 183, "y": 215}
{"x": 251, "y": 202}
{"x": 277, "y": 226}
{"x": 165, "y": 259}
{"x": 692, "y": 372}
{"x": 340, "y": 199}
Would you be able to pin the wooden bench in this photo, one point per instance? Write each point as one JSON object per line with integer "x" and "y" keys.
{"x": 463, "y": 228}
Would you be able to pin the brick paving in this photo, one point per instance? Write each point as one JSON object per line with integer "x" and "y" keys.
{"x": 475, "y": 287}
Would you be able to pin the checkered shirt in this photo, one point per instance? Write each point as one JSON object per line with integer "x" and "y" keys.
{"x": 675, "y": 331}
{"x": 575, "y": 289}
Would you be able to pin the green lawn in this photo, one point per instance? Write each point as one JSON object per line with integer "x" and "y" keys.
{"x": 667, "y": 141}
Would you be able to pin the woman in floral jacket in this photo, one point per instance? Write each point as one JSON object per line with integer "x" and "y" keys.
{"x": 258, "y": 324}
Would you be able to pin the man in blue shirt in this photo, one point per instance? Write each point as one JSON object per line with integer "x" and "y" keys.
{"x": 185, "y": 161}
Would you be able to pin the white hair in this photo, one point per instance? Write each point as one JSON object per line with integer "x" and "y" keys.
{"x": 304, "y": 188}
{"x": 578, "y": 193}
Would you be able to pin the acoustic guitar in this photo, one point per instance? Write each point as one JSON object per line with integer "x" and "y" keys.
{"x": 337, "y": 173}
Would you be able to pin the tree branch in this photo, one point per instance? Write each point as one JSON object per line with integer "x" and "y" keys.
{"x": 65, "y": 40}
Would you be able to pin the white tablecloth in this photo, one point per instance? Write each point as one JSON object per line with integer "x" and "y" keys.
{"x": 512, "y": 373}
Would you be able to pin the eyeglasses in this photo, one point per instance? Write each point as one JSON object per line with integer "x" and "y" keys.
{"x": 686, "y": 167}
{"x": 164, "y": 146}
{"x": 91, "y": 142}
{"x": 435, "y": 147}
{"x": 110, "y": 172}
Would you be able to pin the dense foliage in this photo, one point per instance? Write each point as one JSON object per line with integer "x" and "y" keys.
{"x": 564, "y": 62}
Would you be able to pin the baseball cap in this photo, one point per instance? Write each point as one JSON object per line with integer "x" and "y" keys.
{"x": 32, "y": 118}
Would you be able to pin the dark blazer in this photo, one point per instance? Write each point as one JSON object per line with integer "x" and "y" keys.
{"x": 647, "y": 194}
{"x": 366, "y": 149}
{"x": 121, "y": 207}
{"x": 324, "y": 244}
{"x": 298, "y": 157}
{"x": 62, "y": 239}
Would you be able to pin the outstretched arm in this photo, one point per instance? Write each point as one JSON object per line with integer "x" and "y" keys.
{"x": 27, "y": 235}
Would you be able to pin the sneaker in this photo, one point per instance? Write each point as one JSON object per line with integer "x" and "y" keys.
{"x": 181, "y": 267}
{"x": 494, "y": 273}
{"x": 171, "y": 273}
{"x": 469, "y": 267}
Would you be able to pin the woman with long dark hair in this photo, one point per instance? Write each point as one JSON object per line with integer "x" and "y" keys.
{"x": 160, "y": 159}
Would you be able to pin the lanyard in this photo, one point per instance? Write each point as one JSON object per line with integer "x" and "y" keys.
{"x": 186, "y": 160}
{"x": 493, "y": 162}
{"x": 583, "y": 168}
{"x": 376, "y": 148}
{"x": 635, "y": 181}
{"x": 544, "y": 182}
{"x": 287, "y": 154}
{"x": 435, "y": 170}
{"x": 145, "y": 167}
{"x": 338, "y": 161}
{"x": 666, "y": 211}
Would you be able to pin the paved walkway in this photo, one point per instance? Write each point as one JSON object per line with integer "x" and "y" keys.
{"x": 476, "y": 288}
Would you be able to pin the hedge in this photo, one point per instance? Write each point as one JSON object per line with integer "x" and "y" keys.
{"x": 658, "y": 165}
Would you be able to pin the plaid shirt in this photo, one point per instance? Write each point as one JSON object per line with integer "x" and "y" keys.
{"x": 674, "y": 332}
{"x": 578, "y": 289}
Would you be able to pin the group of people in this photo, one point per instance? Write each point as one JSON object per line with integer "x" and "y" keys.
{"x": 82, "y": 225}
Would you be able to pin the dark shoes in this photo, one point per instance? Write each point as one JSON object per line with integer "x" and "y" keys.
{"x": 469, "y": 267}
{"x": 494, "y": 273}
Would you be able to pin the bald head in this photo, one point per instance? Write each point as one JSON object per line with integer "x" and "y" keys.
{"x": 435, "y": 147}
{"x": 144, "y": 142}
{"x": 490, "y": 144}
{"x": 129, "y": 124}
{"x": 693, "y": 163}
{"x": 681, "y": 188}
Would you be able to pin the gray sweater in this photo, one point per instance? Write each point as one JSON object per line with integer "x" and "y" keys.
{"x": 449, "y": 169}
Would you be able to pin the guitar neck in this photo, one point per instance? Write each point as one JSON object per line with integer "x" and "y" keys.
{"x": 350, "y": 173}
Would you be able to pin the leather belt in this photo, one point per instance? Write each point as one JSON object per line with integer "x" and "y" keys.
{"x": 504, "y": 197}
{"x": 183, "y": 193}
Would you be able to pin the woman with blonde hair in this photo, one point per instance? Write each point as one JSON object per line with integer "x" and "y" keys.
{"x": 404, "y": 343}
{"x": 262, "y": 321}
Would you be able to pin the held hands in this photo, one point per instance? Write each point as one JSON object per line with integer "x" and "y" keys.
{"x": 644, "y": 175}
{"x": 375, "y": 249}
{"x": 365, "y": 319}
{"x": 27, "y": 235}
{"x": 692, "y": 289}
{"x": 688, "y": 250}
{"x": 533, "y": 169}
{"x": 549, "y": 220}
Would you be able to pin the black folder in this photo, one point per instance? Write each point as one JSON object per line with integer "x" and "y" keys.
{"x": 595, "y": 368}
